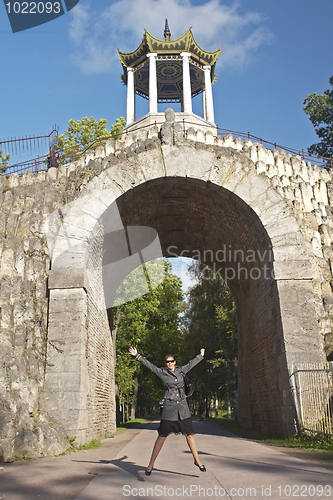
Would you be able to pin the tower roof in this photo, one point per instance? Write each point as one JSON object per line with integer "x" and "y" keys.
{"x": 185, "y": 43}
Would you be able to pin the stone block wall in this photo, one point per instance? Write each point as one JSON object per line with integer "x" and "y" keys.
{"x": 100, "y": 348}
{"x": 24, "y": 309}
{"x": 36, "y": 340}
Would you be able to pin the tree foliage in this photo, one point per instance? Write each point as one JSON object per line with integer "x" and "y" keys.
{"x": 152, "y": 324}
{"x": 4, "y": 162}
{"x": 83, "y": 133}
{"x": 211, "y": 323}
{"x": 320, "y": 111}
{"x": 161, "y": 323}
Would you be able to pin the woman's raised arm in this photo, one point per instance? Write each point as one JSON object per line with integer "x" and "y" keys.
{"x": 186, "y": 368}
{"x": 133, "y": 351}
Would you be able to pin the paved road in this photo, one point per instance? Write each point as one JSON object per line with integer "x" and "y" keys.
{"x": 236, "y": 469}
{"x": 59, "y": 478}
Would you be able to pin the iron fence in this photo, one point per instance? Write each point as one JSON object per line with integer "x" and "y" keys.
{"x": 312, "y": 386}
{"x": 29, "y": 153}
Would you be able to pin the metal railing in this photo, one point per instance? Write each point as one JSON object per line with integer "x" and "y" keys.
{"x": 29, "y": 153}
{"x": 312, "y": 386}
{"x": 40, "y": 161}
{"x": 307, "y": 157}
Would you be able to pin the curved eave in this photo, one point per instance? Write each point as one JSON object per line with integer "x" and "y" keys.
{"x": 132, "y": 59}
{"x": 203, "y": 56}
{"x": 185, "y": 43}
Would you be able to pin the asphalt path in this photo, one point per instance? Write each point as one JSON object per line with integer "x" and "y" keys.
{"x": 237, "y": 468}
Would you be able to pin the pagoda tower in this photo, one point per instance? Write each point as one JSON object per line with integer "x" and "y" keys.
{"x": 169, "y": 71}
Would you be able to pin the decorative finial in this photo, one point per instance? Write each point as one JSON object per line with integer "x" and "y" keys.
{"x": 167, "y": 33}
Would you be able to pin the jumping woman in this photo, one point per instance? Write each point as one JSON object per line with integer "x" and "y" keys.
{"x": 176, "y": 416}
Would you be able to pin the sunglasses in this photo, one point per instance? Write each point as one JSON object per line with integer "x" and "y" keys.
{"x": 170, "y": 361}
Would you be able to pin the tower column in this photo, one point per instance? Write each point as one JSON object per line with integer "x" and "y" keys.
{"x": 130, "y": 108}
{"x": 187, "y": 97}
{"x": 204, "y": 104}
{"x": 152, "y": 83}
{"x": 208, "y": 95}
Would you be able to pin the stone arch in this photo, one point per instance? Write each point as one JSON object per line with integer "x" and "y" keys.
{"x": 56, "y": 353}
{"x": 161, "y": 186}
{"x": 196, "y": 219}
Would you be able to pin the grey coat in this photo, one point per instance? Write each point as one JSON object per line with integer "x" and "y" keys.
{"x": 175, "y": 405}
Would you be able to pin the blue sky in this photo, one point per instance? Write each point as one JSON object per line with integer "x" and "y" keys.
{"x": 275, "y": 53}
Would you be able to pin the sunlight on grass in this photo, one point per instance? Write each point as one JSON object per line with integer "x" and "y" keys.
{"x": 131, "y": 423}
{"x": 305, "y": 441}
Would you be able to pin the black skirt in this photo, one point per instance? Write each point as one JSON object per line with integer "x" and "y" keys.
{"x": 167, "y": 427}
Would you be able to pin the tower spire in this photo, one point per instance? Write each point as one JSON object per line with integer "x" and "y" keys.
{"x": 167, "y": 33}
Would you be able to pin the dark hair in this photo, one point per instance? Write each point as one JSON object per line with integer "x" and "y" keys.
{"x": 169, "y": 356}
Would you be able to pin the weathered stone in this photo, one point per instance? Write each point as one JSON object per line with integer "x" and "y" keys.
{"x": 169, "y": 115}
{"x": 109, "y": 147}
{"x": 167, "y": 133}
{"x": 100, "y": 152}
{"x": 178, "y": 134}
{"x": 26, "y": 445}
{"x": 6, "y": 451}
{"x": 328, "y": 303}
{"x": 50, "y": 441}
{"x": 70, "y": 280}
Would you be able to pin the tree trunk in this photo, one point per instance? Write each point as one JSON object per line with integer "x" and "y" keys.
{"x": 136, "y": 388}
{"x": 115, "y": 325}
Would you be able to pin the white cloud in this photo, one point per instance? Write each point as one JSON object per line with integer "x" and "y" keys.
{"x": 180, "y": 268}
{"x": 79, "y": 23}
{"x": 237, "y": 53}
{"x": 98, "y": 33}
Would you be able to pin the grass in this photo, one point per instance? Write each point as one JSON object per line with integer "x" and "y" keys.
{"x": 94, "y": 443}
{"x": 24, "y": 457}
{"x": 120, "y": 430}
{"x": 132, "y": 423}
{"x": 316, "y": 442}
{"x": 305, "y": 441}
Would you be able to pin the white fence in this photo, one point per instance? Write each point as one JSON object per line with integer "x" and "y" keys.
{"x": 312, "y": 385}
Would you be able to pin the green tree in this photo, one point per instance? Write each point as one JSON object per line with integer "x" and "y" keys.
{"x": 152, "y": 324}
{"x": 83, "y": 133}
{"x": 4, "y": 161}
{"x": 320, "y": 111}
{"x": 211, "y": 323}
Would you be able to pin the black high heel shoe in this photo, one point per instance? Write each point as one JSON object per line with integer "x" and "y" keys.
{"x": 202, "y": 467}
{"x": 148, "y": 472}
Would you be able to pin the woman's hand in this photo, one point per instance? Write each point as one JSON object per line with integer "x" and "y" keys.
{"x": 133, "y": 351}
{"x": 202, "y": 352}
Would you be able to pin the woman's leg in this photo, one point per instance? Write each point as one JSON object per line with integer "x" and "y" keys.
{"x": 193, "y": 447}
{"x": 157, "y": 448}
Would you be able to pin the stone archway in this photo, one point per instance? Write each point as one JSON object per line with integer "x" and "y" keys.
{"x": 198, "y": 190}
{"x": 203, "y": 199}
{"x": 195, "y": 219}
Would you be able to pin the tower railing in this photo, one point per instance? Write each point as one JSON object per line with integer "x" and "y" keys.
{"x": 30, "y": 152}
